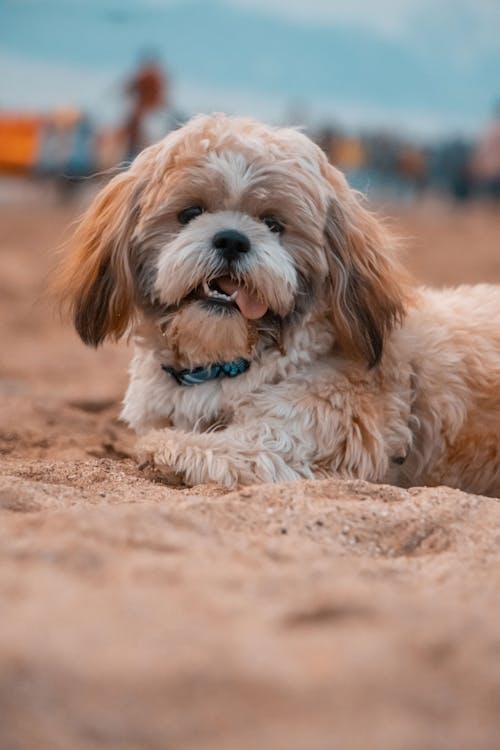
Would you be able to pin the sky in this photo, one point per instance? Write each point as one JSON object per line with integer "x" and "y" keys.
{"x": 421, "y": 66}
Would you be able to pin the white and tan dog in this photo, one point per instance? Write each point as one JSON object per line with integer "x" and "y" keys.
{"x": 276, "y": 337}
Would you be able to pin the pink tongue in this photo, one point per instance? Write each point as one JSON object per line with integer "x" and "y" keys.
{"x": 250, "y": 306}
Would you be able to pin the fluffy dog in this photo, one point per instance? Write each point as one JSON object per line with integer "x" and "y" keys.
{"x": 276, "y": 337}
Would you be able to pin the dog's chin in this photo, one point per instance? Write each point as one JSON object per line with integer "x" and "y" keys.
{"x": 204, "y": 331}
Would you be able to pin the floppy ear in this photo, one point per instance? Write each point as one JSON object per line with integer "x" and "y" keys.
{"x": 95, "y": 280}
{"x": 367, "y": 286}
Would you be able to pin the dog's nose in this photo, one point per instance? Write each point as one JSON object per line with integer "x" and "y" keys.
{"x": 230, "y": 243}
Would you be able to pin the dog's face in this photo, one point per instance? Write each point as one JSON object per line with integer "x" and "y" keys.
{"x": 224, "y": 234}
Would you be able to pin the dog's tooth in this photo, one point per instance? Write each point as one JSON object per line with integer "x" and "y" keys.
{"x": 215, "y": 294}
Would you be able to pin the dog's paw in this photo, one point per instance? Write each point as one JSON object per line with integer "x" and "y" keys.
{"x": 157, "y": 460}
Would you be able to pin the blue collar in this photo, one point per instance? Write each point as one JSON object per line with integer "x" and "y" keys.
{"x": 211, "y": 372}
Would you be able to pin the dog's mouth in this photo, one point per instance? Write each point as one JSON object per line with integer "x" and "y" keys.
{"x": 229, "y": 293}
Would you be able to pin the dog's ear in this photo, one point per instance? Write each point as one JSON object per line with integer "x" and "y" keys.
{"x": 367, "y": 288}
{"x": 95, "y": 279}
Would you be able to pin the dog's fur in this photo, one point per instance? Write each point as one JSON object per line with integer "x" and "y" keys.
{"x": 354, "y": 371}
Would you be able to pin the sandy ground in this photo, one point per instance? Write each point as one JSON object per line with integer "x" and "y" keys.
{"x": 307, "y": 616}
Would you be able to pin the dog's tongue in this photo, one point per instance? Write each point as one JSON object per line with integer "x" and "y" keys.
{"x": 250, "y": 305}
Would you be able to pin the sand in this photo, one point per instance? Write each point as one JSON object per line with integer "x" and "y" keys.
{"x": 304, "y": 616}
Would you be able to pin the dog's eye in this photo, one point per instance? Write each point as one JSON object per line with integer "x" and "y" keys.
{"x": 273, "y": 224}
{"x": 188, "y": 214}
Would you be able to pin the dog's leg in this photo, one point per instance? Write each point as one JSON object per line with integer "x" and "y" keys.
{"x": 284, "y": 433}
{"x": 237, "y": 455}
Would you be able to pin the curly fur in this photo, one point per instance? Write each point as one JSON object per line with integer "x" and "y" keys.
{"x": 355, "y": 372}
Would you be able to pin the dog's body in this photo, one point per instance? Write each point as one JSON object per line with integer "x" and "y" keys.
{"x": 231, "y": 242}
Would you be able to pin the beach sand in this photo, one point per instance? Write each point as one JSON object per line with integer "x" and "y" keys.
{"x": 304, "y": 616}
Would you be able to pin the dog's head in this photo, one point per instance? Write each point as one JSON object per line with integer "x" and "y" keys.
{"x": 225, "y": 233}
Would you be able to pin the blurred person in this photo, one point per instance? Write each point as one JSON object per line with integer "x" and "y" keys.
{"x": 349, "y": 154}
{"x": 56, "y": 141}
{"x": 148, "y": 90}
{"x": 448, "y": 168}
{"x": 109, "y": 148}
{"x": 380, "y": 173}
{"x": 66, "y": 149}
{"x": 81, "y": 157}
{"x": 485, "y": 161}
{"x": 327, "y": 139}
{"x": 412, "y": 166}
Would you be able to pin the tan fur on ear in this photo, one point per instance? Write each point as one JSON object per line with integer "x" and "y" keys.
{"x": 95, "y": 280}
{"x": 368, "y": 287}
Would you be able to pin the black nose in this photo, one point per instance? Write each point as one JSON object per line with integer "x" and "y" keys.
{"x": 230, "y": 243}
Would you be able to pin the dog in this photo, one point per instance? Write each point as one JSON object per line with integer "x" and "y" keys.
{"x": 276, "y": 335}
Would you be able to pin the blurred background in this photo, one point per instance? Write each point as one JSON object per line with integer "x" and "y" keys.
{"x": 403, "y": 95}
